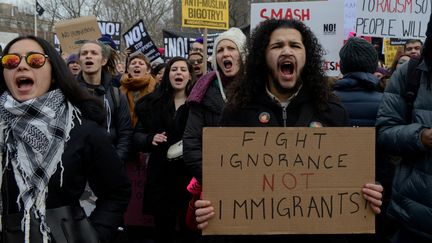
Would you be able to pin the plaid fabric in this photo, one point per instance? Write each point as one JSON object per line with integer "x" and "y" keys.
{"x": 37, "y": 130}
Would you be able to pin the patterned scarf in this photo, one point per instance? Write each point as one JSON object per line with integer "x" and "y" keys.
{"x": 36, "y": 133}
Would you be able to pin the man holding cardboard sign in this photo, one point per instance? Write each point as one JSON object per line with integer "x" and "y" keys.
{"x": 284, "y": 86}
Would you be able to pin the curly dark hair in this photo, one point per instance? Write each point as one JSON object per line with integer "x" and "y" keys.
{"x": 253, "y": 81}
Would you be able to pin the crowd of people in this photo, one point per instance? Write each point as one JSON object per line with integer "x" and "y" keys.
{"x": 70, "y": 130}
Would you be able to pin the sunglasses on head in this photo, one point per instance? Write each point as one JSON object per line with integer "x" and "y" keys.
{"x": 33, "y": 59}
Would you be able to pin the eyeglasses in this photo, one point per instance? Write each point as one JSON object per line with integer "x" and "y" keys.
{"x": 197, "y": 61}
{"x": 33, "y": 59}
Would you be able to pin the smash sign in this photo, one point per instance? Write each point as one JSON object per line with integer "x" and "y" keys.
{"x": 328, "y": 28}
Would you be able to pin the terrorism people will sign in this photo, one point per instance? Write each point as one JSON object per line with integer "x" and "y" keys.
{"x": 288, "y": 180}
{"x": 393, "y": 18}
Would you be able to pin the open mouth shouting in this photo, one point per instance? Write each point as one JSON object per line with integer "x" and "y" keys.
{"x": 88, "y": 63}
{"x": 178, "y": 80}
{"x": 286, "y": 68}
{"x": 229, "y": 68}
{"x": 24, "y": 84}
{"x": 136, "y": 72}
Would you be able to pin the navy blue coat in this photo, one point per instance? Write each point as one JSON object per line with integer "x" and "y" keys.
{"x": 358, "y": 92}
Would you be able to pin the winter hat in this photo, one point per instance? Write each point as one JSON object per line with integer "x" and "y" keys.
{"x": 358, "y": 55}
{"x": 107, "y": 40}
{"x": 235, "y": 35}
{"x": 72, "y": 58}
{"x": 199, "y": 40}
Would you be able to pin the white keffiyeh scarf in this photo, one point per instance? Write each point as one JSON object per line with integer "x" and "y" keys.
{"x": 36, "y": 133}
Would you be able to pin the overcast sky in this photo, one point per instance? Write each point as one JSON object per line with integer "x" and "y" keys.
{"x": 15, "y": 2}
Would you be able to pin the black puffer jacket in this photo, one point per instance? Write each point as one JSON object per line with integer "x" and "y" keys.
{"x": 118, "y": 115}
{"x": 358, "y": 91}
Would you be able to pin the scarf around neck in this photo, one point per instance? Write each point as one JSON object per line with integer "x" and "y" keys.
{"x": 135, "y": 88}
{"x": 36, "y": 133}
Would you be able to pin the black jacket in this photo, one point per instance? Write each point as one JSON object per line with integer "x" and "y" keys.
{"x": 120, "y": 129}
{"x": 88, "y": 156}
{"x": 166, "y": 181}
{"x": 299, "y": 113}
{"x": 204, "y": 112}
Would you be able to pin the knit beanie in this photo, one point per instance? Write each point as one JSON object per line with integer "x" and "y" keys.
{"x": 72, "y": 58}
{"x": 358, "y": 55}
{"x": 107, "y": 40}
{"x": 235, "y": 35}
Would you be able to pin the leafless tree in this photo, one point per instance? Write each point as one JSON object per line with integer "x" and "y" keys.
{"x": 156, "y": 14}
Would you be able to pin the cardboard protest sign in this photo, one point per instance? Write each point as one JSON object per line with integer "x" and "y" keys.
{"x": 393, "y": 18}
{"x": 73, "y": 32}
{"x": 328, "y": 28}
{"x": 288, "y": 180}
{"x": 205, "y": 14}
{"x": 178, "y": 43}
{"x": 138, "y": 40}
{"x": 113, "y": 29}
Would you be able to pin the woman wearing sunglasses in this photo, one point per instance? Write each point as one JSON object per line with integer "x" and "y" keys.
{"x": 52, "y": 144}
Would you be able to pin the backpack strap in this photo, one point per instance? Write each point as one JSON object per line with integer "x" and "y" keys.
{"x": 412, "y": 81}
{"x": 115, "y": 94}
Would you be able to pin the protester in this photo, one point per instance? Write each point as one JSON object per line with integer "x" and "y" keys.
{"x": 383, "y": 74}
{"x": 98, "y": 66}
{"x": 52, "y": 145}
{"x": 208, "y": 95}
{"x": 359, "y": 88}
{"x": 121, "y": 68}
{"x": 398, "y": 61}
{"x": 285, "y": 79}
{"x": 197, "y": 45}
{"x": 360, "y": 92}
{"x": 157, "y": 72}
{"x": 196, "y": 59}
{"x": 73, "y": 64}
{"x": 413, "y": 48}
{"x": 162, "y": 118}
{"x": 137, "y": 82}
{"x": 404, "y": 130}
{"x": 98, "y": 62}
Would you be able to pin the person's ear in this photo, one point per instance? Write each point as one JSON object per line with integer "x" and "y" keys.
{"x": 104, "y": 61}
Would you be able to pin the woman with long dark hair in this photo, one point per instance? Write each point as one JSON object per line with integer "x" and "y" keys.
{"x": 52, "y": 145}
{"x": 162, "y": 117}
